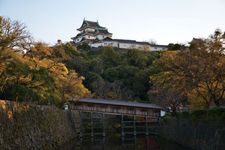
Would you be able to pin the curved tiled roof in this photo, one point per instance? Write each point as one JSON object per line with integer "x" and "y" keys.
{"x": 103, "y": 31}
{"x": 92, "y": 24}
{"x": 119, "y": 103}
{"x": 126, "y": 41}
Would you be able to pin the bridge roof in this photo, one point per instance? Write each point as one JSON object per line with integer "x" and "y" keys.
{"x": 119, "y": 103}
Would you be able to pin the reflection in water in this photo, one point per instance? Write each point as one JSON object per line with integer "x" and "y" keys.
{"x": 126, "y": 143}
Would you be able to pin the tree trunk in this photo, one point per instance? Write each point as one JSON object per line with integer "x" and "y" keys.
{"x": 217, "y": 103}
{"x": 174, "y": 111}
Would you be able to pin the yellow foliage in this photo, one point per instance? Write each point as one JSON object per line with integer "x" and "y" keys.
{"x": 9, "y": 107}
{"x": 42, "y": 49}
{"x": 3, "y": 104}
{"x": 39, "y": 73}
{"x": 168, "y": 55}
{"x": 195, "y": 101}
{"x": 59, "y": 69}
{"x": 2, "y": 68}
{"x": 10, "y": 114}
{"x": 20, "y": 107}
{"x": 71, "y": 86}
{"x": 25, "y": 79}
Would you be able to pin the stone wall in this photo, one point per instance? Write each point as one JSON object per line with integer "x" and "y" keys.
{"x": 27, "y": 126}
{"x": 200, "y": 135}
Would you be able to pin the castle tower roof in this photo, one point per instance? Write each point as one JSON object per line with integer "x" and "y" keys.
{"x": 90, "y": 24}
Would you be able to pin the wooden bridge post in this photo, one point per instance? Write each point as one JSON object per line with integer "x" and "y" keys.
{"x": 122, "y": 127}
{"x": 134, "y": 125}
{"x": 81, "y": 124}
{"x": 92, "y": 125}
{"x": 103, "y": 124}
{"x": 146, "y": 125}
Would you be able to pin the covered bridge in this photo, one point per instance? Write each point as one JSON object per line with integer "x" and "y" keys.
{"x": 118, "y": 107}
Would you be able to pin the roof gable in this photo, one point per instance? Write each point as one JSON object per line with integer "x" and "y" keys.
{"x": 90, "y": 24}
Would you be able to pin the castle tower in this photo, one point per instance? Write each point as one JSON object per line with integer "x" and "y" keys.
{"x": 91, "y": 32}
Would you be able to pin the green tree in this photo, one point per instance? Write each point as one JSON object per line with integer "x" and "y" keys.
{"x": 110, "y": 57}
{"x": 137, "y": 58}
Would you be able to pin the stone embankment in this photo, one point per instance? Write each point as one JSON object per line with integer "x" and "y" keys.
{"x": 198, "y": 133}
{"x": 28, "y": 126}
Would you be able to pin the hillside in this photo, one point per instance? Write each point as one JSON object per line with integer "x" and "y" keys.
{"x": 110, "y": 72}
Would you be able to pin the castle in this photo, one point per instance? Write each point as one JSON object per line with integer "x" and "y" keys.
{"x": 95, "y": 35}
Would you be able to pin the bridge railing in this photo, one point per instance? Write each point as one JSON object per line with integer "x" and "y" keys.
{"x": 151, "y": 113}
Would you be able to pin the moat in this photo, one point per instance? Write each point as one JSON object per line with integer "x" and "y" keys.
{"x": 126, "y": 143}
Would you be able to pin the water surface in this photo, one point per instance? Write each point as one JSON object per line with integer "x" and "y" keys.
{"x": 126, "y": 143}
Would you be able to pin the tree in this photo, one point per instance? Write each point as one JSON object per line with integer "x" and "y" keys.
{"x": 176, "y": 46}
{"x": 208, "y": 80}
{"x": 168, "y": 87}
{"x": 110, "y": 57}
{"x": 40, "y": 51}
{"x": 199, "y": 70}
{"x": 72, "y": 87}
{"x": 137, "y": 58}
{"x": 170, "y": 98}
{"x": 13, "y": 34}
{"x": 36, "y": 75}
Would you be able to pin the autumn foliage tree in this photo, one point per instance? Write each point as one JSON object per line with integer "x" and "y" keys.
{"x": 13, "y": 34}
{"x": 168, "y": 88}
{"x": 13, "y": 37}
{"x": 30, "y": 71}
{"x": 206, "y": 69}
{"x": 198, "y": 71}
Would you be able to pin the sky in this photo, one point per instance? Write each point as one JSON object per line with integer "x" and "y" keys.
{"x": 162, "y": 21}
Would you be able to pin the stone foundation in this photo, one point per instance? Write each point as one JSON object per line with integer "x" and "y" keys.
{"x": 27, "y": 126}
